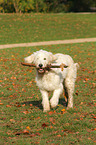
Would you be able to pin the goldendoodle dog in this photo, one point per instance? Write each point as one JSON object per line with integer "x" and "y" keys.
{"x": 54, "y": 79}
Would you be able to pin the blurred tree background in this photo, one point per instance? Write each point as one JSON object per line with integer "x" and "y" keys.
{"x": 47, "y": 6}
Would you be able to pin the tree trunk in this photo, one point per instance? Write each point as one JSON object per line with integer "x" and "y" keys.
{"x": 16, "y": 6}
{"x": 37, "y": 7}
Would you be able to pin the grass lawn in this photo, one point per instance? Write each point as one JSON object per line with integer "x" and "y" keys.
{"x": 19, "y": 28}
{"x": 22, "y": 119}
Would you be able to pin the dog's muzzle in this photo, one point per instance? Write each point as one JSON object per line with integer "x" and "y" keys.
{"x": 41, "y": 69}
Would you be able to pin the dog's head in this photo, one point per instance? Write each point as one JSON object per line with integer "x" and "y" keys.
{"x": 41, "y": 59}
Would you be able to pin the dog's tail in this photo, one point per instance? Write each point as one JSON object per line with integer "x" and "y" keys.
{"x": 76, "y": 65}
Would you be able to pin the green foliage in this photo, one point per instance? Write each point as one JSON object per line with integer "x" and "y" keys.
{"x": 6, "y": 6}
{"x": 39, "y": 6}
{"x": 81, "y": 5}
{"x": 1, "y": 7}
{"x": 27, "y": 5}
{"x": 23, "y": 6}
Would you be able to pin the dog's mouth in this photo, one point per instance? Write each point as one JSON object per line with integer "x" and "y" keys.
{"x": 41, "y": 70}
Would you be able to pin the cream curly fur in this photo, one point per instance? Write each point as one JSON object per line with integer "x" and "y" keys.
{"x": 54, "y": 79}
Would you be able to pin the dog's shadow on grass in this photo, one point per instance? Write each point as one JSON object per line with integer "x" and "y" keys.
{"x": 38, "y": 103}
{"x": 63, "y": 102}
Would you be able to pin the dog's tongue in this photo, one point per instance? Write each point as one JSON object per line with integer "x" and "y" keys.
{"x": 41, "y": 70}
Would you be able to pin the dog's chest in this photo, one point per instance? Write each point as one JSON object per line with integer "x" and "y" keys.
{"x": 48, "y": 81}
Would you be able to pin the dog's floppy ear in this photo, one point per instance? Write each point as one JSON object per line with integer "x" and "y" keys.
{"x": 29, "y": 59}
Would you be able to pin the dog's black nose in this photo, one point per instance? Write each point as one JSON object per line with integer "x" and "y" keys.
{"x": 40, "y": 65}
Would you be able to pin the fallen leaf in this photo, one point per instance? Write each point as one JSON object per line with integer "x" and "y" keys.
{"x": 51, "y": 126}
{"x": 1, "y": 104}
{"x": 93, "y": 129}
{"x": 25, "y": 131}
{"x": 76, "y": 94}
{"x": 44, "y": 125}
{"x": 52, "y": 112}
{"x": 25, "y": 74}
{"x": 8, "y": 106}
{"x": 31, "y": 105}
{"x": 65, "y": 134}
{"x": 94, "y": 141}
{"x": 58, "y": 135}
{"x": 63, "y": 111}
{"x": 11, "y": 96}
{"x": 23, "y": 105}
{"x": 9, "y": 89}
{"x": 81, "y": 103}
{"x": 65, "y": 98}
{"x": 38, "y": 117}
{"x": 28, "y": 128}
{"x": 12, "y": 120}
{"x": 25, "y": 112}
{"x": 94, "y": 117}
{"x": 32, "y": 135}
{"x": 38, "y": 134}
{"x": 18, "y": 105}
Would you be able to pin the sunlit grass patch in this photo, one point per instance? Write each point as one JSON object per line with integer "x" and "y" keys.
{"x": 22, "y": 28}
{"x": 22, "y": 118}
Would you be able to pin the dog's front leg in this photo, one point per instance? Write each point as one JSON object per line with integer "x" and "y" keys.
{"x": 56, "y": 94}
{"x": 45, "y": 101}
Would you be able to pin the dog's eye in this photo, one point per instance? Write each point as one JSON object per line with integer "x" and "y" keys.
{"x": 44, "y": 58}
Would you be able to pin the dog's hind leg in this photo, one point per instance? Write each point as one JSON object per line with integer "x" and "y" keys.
{"x": 70, "y": 90}
{"x": 55, "y": 98}
{"x": 45, "y": 101}
{"x": 70, "y": 83}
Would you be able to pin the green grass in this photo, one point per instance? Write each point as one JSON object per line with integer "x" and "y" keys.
{"x": 22, "y": 118}
{"x": 19, "y": 28}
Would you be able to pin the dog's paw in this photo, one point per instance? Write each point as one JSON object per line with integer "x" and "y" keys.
{"x": 46, "y": 106}
{"x": 69, "y": 107}
{"x": 46, "y": 110}
{"x": 53, "y": 103}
